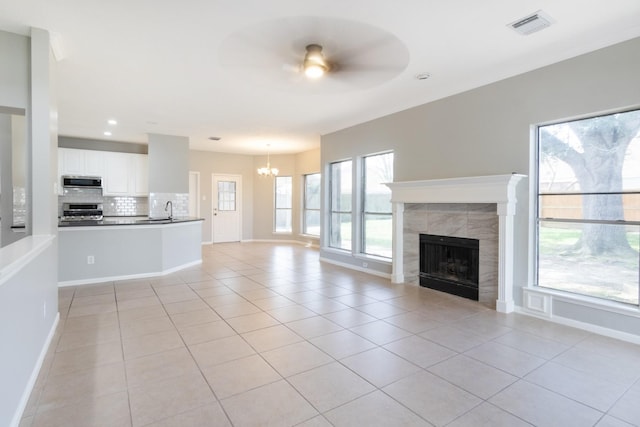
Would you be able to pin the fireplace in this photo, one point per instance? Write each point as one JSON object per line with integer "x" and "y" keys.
{"x": 496, "y": 271}
{"x": 450, "y": 264}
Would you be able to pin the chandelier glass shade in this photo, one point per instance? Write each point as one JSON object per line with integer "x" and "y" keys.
{"x": 268, "y": 170}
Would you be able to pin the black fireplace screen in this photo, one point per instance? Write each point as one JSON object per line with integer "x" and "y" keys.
{"x": 450, "y": 264}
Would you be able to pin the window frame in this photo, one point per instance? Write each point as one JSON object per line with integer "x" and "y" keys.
{"x": 537, "y": 218}
{"x": 305, "y": 207}
{"x": 363, "y": 213}
{"x": 277, "y": 209}
{"x": 331, "y": 210}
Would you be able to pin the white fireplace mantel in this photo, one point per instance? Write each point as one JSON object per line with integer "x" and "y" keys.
{"x": 499, "y": 189}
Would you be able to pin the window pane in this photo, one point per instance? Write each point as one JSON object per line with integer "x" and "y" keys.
{"x": 341, "y": 186}
{"x": 312, "y": 222}
{"x": 226, "y": 195}
{"x": 613, "y": 274}
{"x": 378, "y": 170}
{"x": 282, "y": 216}
{"x": 312, "y": 191}
{"x": 283, "y": 192}
{"x": 376, "y": 216}
{"x": 340, "y": 224}
{"x": 283, "y": 220}
{"x": 377, "y": 232}
{"x": 340, "y": 231}
{"x": 589, "y": 179}
{"x": 610, "y": 207}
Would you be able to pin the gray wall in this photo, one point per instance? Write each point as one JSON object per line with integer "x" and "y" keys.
{"x": 14, "y": 73}
{"x": 486, "y": 131}
{"x": 208, "y": 163}
{"x": 29, "y": 298}
{"x": 168, "y": 164}
{"x": 101, "y": 145}
{"x": 258, "y": 192}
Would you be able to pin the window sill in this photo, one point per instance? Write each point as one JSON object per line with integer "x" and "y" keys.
{"x": 362, "y": 257}
{"x": 375, "y": 258}
{"x": 538, "y": 301}
{"x": 309, "y": 236}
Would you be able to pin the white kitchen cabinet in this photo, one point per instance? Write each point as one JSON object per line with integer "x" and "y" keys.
{"x": 115, "y": 181}
{"x": 140, "y": 174}
{"x": 71, "y": 161}
{"x": 94, "y": 163}
{"x": 123, "y": 174}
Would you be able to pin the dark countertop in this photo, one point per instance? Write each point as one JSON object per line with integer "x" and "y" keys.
{"x": 127, "y": 220}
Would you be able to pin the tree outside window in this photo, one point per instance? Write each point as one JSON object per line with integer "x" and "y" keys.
{"x": 588, "y": 228}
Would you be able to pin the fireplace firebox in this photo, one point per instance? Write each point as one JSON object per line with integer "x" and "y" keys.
{"x": 450, "y": 264}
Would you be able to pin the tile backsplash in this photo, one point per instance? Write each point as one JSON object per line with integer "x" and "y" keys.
{"x": 125, "y": 206}
{"x": 157, "y": 202}
{"x": 111, "y": 205}
{"x": 19, "y": 206}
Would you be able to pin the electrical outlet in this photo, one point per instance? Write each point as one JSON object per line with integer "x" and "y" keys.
{"x": 365, "y": 264}
{"x": 91, "y": 259}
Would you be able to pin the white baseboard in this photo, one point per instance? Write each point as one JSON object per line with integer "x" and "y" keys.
{"x": 22, "y": 405}
{"x": 127, "y": 277}
{"x": 355, "y": 267}
{"x": 210, "y": 242}
{"x": 589, "y": 327}
{"x": 294, "y": 242}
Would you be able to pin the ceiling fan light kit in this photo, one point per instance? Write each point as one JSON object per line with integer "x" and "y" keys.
{"x": 314, "y": 64}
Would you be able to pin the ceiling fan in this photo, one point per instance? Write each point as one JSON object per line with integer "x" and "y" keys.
{"x": 348, "y": 55}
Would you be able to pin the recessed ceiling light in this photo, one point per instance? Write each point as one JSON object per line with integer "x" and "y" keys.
{"x": 107, "y": 133}
{"x": 215, "y": 138}
{"x": 112, "y": 122}
{"x": 423, "y": 76}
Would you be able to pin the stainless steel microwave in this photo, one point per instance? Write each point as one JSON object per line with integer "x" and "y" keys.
{"x": 75, "y": 181}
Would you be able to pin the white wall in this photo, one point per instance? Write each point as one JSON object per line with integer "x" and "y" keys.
{"x": 486, "y": 131}
{"x": 28, "y": 279}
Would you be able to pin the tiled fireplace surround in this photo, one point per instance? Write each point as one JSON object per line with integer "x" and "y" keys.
{"x": 480, "y": 208}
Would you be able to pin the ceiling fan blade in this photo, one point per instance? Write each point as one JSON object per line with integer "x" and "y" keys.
{"x": 272, "y": 52}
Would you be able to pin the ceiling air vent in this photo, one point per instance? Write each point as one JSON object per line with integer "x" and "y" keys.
{"x": 530, "y": 24}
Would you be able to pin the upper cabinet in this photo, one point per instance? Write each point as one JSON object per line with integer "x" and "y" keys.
{"x": 123, "y": 174}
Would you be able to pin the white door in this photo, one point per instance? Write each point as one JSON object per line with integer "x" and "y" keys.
{"x": 194, "y": 194}
{"x": 226, "y": 196}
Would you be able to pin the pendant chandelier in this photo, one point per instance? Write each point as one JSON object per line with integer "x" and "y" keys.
{"x": 268, "y": 170}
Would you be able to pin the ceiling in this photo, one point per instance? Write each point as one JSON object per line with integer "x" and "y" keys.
{"x": 224, "y": 68}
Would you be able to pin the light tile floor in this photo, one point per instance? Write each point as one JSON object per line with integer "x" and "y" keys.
{"x": 265, "y": 334}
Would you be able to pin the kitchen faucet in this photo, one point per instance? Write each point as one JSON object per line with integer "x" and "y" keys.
{"x": 169, "y": 205}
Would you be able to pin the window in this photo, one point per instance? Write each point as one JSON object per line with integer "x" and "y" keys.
{"x": 588, "y": 223}
{"x": 340, "y": 205}
{"x": 283, "y": 204}
{"x": 226, "y": 195}
{"x": 311, "y": 205}
{"x": 376, "y": 205}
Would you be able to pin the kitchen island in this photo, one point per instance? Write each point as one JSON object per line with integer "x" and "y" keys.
{"x": 121, "y": 248}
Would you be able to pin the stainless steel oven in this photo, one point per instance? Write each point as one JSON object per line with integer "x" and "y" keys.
{"x": 81, "y": 212}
